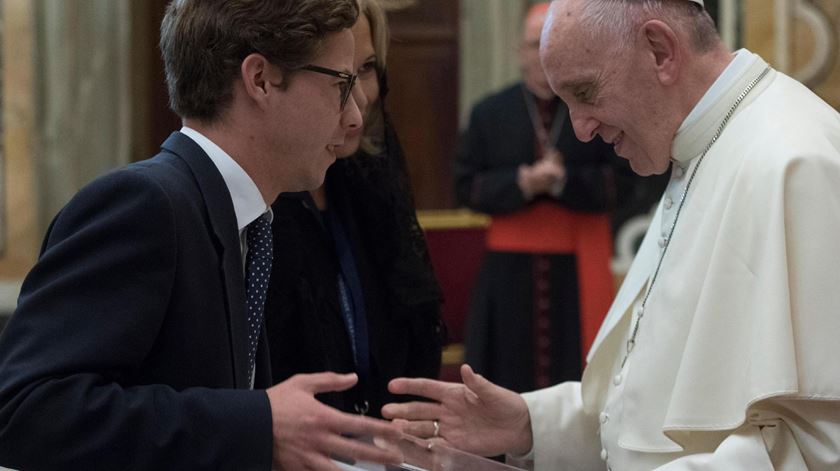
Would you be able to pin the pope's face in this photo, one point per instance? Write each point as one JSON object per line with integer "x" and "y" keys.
{"x": 611, "y": 91}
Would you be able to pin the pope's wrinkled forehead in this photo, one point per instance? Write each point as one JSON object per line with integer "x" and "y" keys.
{"x": 560, "y": 23}
{"x": 571, "y": 56}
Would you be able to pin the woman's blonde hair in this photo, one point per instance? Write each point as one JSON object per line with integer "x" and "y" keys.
{"x": 375, "y": 14}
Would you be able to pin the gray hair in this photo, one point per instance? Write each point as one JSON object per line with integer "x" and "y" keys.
{"x": 621, "y": 18}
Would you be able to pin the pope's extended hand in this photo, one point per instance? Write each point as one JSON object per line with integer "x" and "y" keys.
{"x": 476, "y": 416}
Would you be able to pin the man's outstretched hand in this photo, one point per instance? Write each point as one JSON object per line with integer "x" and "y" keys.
{"x": 307, "y": 433}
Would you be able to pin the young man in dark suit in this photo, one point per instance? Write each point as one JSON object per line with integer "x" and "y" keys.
{"x": 138, "y": 341}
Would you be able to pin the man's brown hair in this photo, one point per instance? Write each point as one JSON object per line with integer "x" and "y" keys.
{"x": 203, "y": 44}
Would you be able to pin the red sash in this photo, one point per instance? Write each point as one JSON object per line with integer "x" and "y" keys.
{"x": 547, "y": 228}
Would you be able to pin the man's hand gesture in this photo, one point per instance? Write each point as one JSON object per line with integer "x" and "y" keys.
{"x": 307, "y": 433}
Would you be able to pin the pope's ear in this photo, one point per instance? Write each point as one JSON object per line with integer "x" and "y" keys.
{"x": 258, "y": 75}
{"x": 663, "y": 44}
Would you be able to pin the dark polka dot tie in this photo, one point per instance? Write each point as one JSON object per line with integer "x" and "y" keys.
{"x": 257, "y": 273}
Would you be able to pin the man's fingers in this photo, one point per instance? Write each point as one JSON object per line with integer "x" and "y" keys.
{"x": 325, "y": 382}
{"x": 420, "y": 428}
{"x": 403, "y": 425}
{"x": 412, "y": 411}
{"x": 361, "y": 451}
{"x": 357, "y": 425}
{"x": 428, "y": 388}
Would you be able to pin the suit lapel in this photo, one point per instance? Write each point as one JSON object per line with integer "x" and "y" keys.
{"x": 219, "y": 205}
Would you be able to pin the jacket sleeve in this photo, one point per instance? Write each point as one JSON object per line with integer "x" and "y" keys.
{"x": 88, "y": 314}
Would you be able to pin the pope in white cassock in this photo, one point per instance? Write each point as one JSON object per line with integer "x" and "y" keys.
{"x": 721, "y": 349}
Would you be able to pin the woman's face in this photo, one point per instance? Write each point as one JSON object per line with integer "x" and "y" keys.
{"x": 366, "y": 91}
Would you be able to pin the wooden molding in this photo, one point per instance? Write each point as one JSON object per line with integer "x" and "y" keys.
{"x": 453, "y": 354}
{"x": 452, "y": 219}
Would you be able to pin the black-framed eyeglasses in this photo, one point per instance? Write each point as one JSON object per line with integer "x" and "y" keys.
{"x": 346, "y": 87}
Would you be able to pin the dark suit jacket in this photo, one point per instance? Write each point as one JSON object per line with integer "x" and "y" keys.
{"x": 128, "y": 349}
{"x": 500, "y": 138}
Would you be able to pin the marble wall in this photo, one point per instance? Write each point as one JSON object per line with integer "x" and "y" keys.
{"x": 66, "y": 114}
{"x": 83, "y": 105}
{"x": 800, "y": 38}
{"x": 18, "y": 189}
{"x": 490, "y": 35}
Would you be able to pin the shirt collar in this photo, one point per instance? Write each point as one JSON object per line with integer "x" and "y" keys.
{"x": 248, "y": 203}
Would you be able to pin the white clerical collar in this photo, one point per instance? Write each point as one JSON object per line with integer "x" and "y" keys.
{"x": 699, "y": 127}
{"x": 740, "y": 63}
{"x": 248, "y": 203}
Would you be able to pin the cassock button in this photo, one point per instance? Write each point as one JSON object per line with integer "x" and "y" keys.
{"x": 617, "y": 379}
{"x": 678, "y": 171}
{"x": 604, "y": 417}
{"x": 668, "y": 202}
{"x": 663, "y": 241}
{"x": 604, "y": 454}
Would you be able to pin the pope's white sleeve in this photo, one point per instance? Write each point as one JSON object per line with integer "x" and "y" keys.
{"x": 780, "y": 435}
{"x": 565, "y": 438}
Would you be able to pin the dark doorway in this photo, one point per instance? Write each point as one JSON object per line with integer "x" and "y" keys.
{"x": 423, "y": 101}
